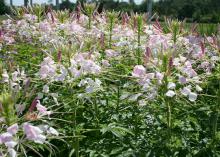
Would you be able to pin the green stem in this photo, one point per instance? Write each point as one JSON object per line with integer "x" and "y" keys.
{"x": 139, "y": 44}
{"x": 69, "y": 56}
{"x": 118, "y": 97}
{"x": 96, "y": 113}
{"x": 90, "y": 21}
{"x": 139, "y": 25}
{"x": 110, "y": 31}
{"x": 168, "y": 117}
{"x": 76, "y": 145}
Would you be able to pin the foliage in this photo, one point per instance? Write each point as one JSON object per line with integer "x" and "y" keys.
{"x": 111, "y": 84}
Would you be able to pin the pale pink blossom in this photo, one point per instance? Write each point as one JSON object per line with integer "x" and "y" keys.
{"x": 34, "y": 133}
{"x": 139, "y": 71}
{"x": 42, "y": 109}
{"x": 13, "y": 129}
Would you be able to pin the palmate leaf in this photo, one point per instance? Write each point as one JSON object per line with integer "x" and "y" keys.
{"x": 118, "y": 131}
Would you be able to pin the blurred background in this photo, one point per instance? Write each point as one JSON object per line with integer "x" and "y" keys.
{"x": 202, "y": 11}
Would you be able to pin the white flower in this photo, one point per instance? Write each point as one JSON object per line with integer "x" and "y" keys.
{"x": 170, "y": 93}
{"x": 192, "y": 96}
{"x": 171, "y": 85}
{"x": 134, "y": 97}
{"x": 198, "y": 88}
{"x": 92, "y": 85}
{"x": 15, "y": 76}
{"x": 63, "y": 73}
{"x": 142, "y": 103}
{"x": 124, "y": 96}
{"x": 45, "y": 89}
{"x": 5, "y": 77}
{"x": 11, "y": 144}
{"x": 52, "y": 131}
{"x": 12, "y": 152}
{"x": 150, "y": 75}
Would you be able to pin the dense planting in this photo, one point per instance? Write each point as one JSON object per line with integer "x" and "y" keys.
{"x": 108, "y": 84}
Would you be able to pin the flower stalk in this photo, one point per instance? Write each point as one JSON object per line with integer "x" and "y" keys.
{"x": 111, "y": 16}
{"x": 139, "y": 30}
{"x": 89, "y": 10}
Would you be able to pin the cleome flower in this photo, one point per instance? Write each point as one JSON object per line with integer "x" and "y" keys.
{"x": 34, "y": 133}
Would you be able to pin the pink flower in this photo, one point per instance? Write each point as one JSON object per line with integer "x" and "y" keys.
{"x": 90, "y": 66}
{"x": 48, "y": 68}
{"x": 159, "y": 41}
{"x": 42, "y": 109}
{"x": 11, "y": 144}
{"x": 76, "y": 28}
{"x": 34, "y": 133}
{"x": 111, "y": 53}
{"x": 105, "y": 63}
{"x": 159, "y": 76}
{"x": 44, "y": 26}
{"x": 186, "y": 91}
{"x": 13, "y": 129}
{"x": 149, "y": 75}
{"x": 182, "y": 80}
{"x": 139, "y": 71}
{"x": 5, "y": 137}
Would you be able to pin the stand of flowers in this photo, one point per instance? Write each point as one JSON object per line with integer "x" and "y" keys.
{"x": 106, "y": 84}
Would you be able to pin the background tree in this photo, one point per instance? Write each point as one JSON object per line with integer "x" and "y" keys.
{"x": 3, "y": 7}
{"x": 26, "y": 3}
